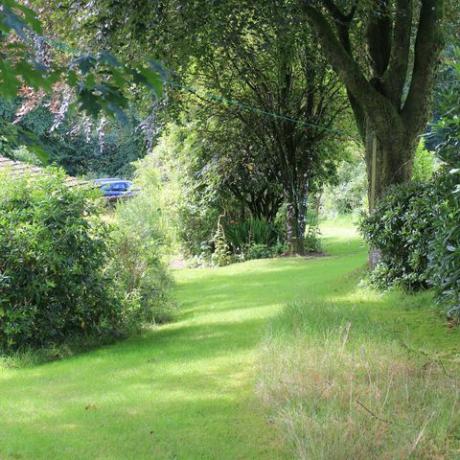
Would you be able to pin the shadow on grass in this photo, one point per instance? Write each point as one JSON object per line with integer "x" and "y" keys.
{"x": 183, "y": 390}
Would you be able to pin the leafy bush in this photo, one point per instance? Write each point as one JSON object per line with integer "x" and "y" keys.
{"x": 416, "y": 229}
{"x": 445, "y": 254}
{"x": 424, "y": 164}
{"x": 258, "y": 251}
{"x": 312, "y": 239}
{"x": 53, "y": 251}
{"x": 139, "y": 244}
{"x": 401, "y": 228}
{"x": 251, "y": 232}
{"x": 445, "y": 247}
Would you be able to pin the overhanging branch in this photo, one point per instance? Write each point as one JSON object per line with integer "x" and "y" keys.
{"x": 427, "y": 48}
{"x": 396, "y": 74}
{"x": 370, "y": 100}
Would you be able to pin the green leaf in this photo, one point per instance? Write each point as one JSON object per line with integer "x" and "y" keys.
{"x": 85, "y": 63}
{"x": 31, "y": 18}
{"x": 152, "y": 79}
{"x": 104, "y": 57}
{"x": 9, "y": 83}
{"x": 40, "y": 152}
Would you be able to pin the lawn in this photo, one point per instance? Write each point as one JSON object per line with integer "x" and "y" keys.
{"x": 186, "y": 390}
{"x": 357, "y": 373}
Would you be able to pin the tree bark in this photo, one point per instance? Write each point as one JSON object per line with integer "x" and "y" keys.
{"x": 296, "y": 220}
{"x": 388, "y": 120}
{"x": 389, "y": 160}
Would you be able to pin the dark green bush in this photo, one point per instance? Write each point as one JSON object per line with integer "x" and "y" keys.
{"x": 401, "y": 228}
{"x": 250, "y": 232}
{"x": 445, "y": 253}
{"x": 416, "y": 228}
{"x": 445, "y": 247}
{"x": 53, "y": 251}
{"x": 259, "y": 251}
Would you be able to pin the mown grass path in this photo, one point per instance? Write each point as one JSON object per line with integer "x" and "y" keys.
{"x": 182, "y": 391}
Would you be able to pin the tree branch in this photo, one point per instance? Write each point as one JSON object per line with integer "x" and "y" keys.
{"x": 370, "y": 100}
{"x": 396, "y": 74}
{"x": 379, "y": 36}
{"x": 342, "y": 22}
{"x": 427, "y": 48}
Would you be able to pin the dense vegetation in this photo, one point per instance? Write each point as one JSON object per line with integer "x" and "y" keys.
{"x": 52, "y": 258}
{"x": 66, "y": 275}
{"x": 415, "y": 226}
{"x": 257, "y": 130}
{"x": 140, "y": 243}
{"x": 80, "y": 145}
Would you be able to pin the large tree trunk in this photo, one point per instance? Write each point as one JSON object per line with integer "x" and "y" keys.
{"x": 391, "y": 103}
{"x": 296, "y": 220}
{"x": 389, "y": 162}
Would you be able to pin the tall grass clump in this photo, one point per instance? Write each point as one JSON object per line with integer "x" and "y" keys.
{"x": 341, "y": 386}
{"x": 140, "y": 244}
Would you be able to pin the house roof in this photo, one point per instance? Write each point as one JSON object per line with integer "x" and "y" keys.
{"x": 18, "y": 168}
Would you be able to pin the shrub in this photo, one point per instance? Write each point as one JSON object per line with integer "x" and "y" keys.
{"x": 445, "y": 250}
{"x": 312, "y": 240}
{"x": 424, "y": 164}
{"x": 251, "y": 232}
{"x": 258, "y": 251}
{"x": 53, "y": 251}
{"x": 139, "y": 246}
{"x": 401, "y": 228}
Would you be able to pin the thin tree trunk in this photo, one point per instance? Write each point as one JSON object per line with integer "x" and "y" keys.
{"x": 295, "y": 220}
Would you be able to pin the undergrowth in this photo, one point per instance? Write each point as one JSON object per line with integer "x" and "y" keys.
{"x": 346, "y": 381}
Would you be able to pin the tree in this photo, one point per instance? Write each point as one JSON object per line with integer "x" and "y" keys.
{"x": 256, "y": 66}
{"x": 282, "y": 93}
{"x": 78, "y": 143}
{"x": 98, "y": 81}
{"x": 390, "y": 90}
{"x": 243, "y": 171}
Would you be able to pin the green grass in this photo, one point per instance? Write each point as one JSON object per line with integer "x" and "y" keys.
{"x": 186, "y": 390}
{"x": 359, "y": 374}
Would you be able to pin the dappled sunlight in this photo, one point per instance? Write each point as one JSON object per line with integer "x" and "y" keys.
{"x": 344, "y": 228}
{"x": 197, "y": 370}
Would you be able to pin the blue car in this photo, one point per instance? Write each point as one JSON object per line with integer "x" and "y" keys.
{"x": 114, "y": 189}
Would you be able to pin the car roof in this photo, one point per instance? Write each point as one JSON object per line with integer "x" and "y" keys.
{"x": 107, "y": 179}
{"x": 114, "y": 181}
